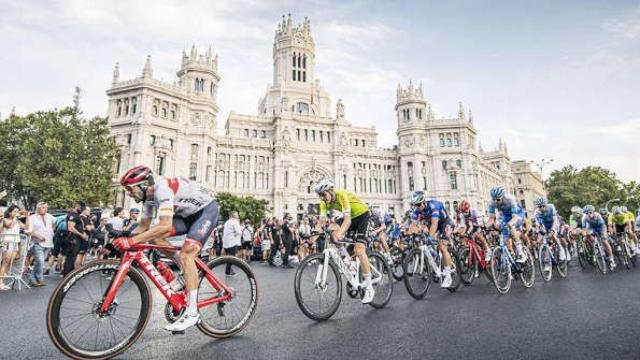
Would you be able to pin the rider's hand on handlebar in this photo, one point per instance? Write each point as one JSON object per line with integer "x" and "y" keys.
{"x": 122, "y": 244}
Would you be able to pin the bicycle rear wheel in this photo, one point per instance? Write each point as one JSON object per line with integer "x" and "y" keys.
{"x": 563, "y": 265}
{"x": 467, "y": 265}
{"x": 396, "y": 268}
{"x": 545, "y": 263}
{"x": 229, "y": 317}
{"x": 501, "y": 270}
{"x": 599, "y": 257}
{"x": 417, "y": 274}
{"x": 584, "y": 254}
{"x": 528, "y": 270}
{"x": 74, "y": 323}
{"x": 316, "y": 300}
{"x": 382, "y": 280}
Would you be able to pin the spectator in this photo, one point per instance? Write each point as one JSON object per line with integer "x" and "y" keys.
{"x": 287, "y": 240}
{"x": 100, "y": 236}
{"x": 247, "y": 240}
{"x": 59, "y": 239}
{"x": 117, "y": 221}
{"x": 276, "y": 240}
{"x": 10, "y": 237}
{"x": 265, "y": 237}
{"x": 132, "y": 222}
{"x": 304, "y": 232}
{"x": 231, "y": 237}
{"x": 76, "y": 235}
{"x": 42, "y": 227}
{"x": 88, "y": 228}
{"x": 216, "y": 248}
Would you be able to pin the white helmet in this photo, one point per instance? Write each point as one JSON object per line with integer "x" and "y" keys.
{"x": 322, "y": 186}
{"x": 418, "y": 197}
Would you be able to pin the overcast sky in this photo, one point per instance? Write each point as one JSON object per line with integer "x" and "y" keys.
{"x": 555, "y": 79}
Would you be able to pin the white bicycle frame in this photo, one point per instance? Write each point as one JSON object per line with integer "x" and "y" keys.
{"x": 352, "y": 276}
{"x": 435, "y": 266}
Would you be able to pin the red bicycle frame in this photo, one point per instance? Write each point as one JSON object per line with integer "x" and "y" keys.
{"x": 475, "y": 250}
{"x": 177, "y": 299}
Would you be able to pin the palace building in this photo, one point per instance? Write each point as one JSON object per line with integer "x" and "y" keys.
{"x": 298, "y": 136}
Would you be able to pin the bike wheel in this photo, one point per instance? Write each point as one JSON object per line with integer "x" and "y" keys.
{"x": 74, "y": 324}
{"x": 381, "y": 279}
{"x": 417, "y": 274}
{"x": 583, "y": 254}
{"x": 545, "y": 263}
{"x": 528, "y": 270}
{"x": 468, "y": 266}
{"x": 563, "y": 265}
{"x": 224, "y": 319}
{"x": 317, "y": 301}
{"x": 396, "y": 268}
{"x": 501, "y": 270}
{"x": 599, "y": 258}
{"x": 455, "y": 272}
{"x": 624, "y": 255}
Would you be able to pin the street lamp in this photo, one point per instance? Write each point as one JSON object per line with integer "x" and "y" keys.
{"x": 606, "y": 205}
{"x": 637, "y": 202}
{"x": 541, "y": 165}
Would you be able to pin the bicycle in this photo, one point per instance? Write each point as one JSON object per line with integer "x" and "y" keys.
{"x": 622, "y": 250}
{"x": 472, "y": 260}
{"x": 320, "y": 275}
{"x": 599, "y": 255}
{"x": 113, "y": 296}
{"x": 418, "y": 273}
{"x": 549, "y": 258}
{"x": 503, "y": 266}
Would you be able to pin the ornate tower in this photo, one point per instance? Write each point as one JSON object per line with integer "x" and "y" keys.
{"x": 411, "y": 107}
{"x": 293, "y": 54}
{"x": 198, "y": 74}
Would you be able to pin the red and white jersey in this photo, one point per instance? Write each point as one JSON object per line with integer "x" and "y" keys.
{"x": 177, "y": 196}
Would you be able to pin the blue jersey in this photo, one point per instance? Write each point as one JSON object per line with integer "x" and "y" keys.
{"x": 546, "y": 217}
{"x": 596, "y": 223}
{"x": 508, "y": 207}
{"x": 433, "y": 209}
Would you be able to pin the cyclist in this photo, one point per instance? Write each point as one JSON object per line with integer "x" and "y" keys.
{"x": 631, "y": 219}
{"x": 379, "y": 219}
{"x": 593, "y": 223}
{"x": 548, "y": 221}
{"x": 355, "y": 220}
{"x": 435, "y": 216}
{"x": 619, "y": 223}
{"x": 182, "y": 207}
{"x": 513, "y": 217}
{"x": 468, "y": 223}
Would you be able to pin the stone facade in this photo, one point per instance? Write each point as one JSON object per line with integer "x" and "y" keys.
{"x": 528, "y": 185}
{"x": 297, "y": 137}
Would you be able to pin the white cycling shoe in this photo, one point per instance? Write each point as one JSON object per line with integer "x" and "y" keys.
{"x": 522, "y": 258}
{"x": 184, "y": 322}
{"x": 369, "y": 293}
{"x": 446, "y": 280}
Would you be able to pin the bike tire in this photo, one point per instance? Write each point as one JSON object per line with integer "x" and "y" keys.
{"x": 601, "y": 261}
{"x": 500, "y": 266}
{"x": 385, "y": 286}
{"x": 63, "y": 289}
{"x": 583, "y": 257}
{"x": 397, "y": 255}
{"x": 467, "y": 265}
{"x": 528, "y": 270}
{"x": 304, "y": 307}
{"x": 455, "y": 272}
{"x": 563, "y": 265}
{"x": 212, "y": 330}
{"x": 422, "y": 280}
{"x": 544, "y": 258}
{"x": 625, "y": 254}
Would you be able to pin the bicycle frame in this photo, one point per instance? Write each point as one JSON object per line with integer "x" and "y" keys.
{"x": 545, "y": 241}
{"x": 177, "y": 299}
{"x": 331, "y": 253}
{"x": 476, "y": 251}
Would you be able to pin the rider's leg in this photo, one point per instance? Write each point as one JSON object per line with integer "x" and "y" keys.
{"x": 188, "y": 255}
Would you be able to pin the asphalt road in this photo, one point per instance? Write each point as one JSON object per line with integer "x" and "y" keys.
{"x": 586, "y": 316}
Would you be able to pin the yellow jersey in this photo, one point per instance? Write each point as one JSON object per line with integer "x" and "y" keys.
{"x": 620, "y": 219}
{"x": 345, "y": 201}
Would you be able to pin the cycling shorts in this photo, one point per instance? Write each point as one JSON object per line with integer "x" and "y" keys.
{"x": 358, "y": 229}
{"x": 197, "y": 226}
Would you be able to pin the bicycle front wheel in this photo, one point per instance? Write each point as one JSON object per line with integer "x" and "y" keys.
{"x": 229, "y": 317}
{"x": 381, "y": 279}
{"x": 467, "y": 265}
{"x": 545, "y": 263}
{"x": 318, "y": 298}
{"x": 396, "y": 268}
{"x": 501, "y": 270}
{"x": 79, "y": 330}
{"x": 417, "y": 274}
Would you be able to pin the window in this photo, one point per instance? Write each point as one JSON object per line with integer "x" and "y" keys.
{"x": 194, "y": 151}
{"x": 208, "y": 151}
{"x": 356, "y": 142}
{"x": 523, "y": 204}
{"x": 456, "y": 139}
{"x": 306, "y": 135}
{"x": 246, "y": 132}
{"x": 171, "y": 144}
{"x": 328, "y": 137}
{"x": 303, "y": 108}
{"x": 313, "y": 135}
{"x": 263, "y": 134}
{"x": 164, "y": 112}
{"x": 208, "y": 173}
{"x": 128, "y": 139}
{"x": 255, "y": 133}
{"x": 294, "y": 75}
{"x": 298, "y": 134}
{"x": 173, "y": 114}
{"x": 363, "y": 143}
{"x": 459, "y": 163}
{"x": 321, "y": 136}
{"x": 521, "y": 192}
{"x": 424, "y": 181}
{"x": 193, "y": 170}
{"x": 152, "y": 140}
{"x": 119, "y": 111}
{"x": 211, "y": 89}
{"x": 155, "y": 110}
{"x": 160, "y": 164}
{"x": 419, "y": 113}
{"x": 304, "y": 62}
{"x": 519, "y": 181}
{"x": 449, "y": 143}
{"x": 453, "y": 180}
{"x": 444, "y": 164}
{"x": 134, "y": 105}
{"x": 344, "y": 181}
{"x": 441, "y": 140}
{"x": 304, "y": 76}
{"x": 286, "y": 179}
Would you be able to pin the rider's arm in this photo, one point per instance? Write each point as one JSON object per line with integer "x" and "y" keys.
{"x": 433, "y": 228}
{"x": 71, "y": 227}
{"x": 160, "y": 231}
{"x": 346, "y": 222}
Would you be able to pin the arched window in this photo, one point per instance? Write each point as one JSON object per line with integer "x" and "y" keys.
{"x": 293, "y": 58}
{"x": 211, "y": 89}
{"x": 119, "y": 111}
{"x": 155, "y": 110}
{"x": 263, "y": 134}
{"x": 304, "y": 62}
{"x": 196, "y": 84}
{"x": 255, "y": 133}
{"x": 134, "y": 105}
{"x": 164, "y": 112}
{"x": 173, "y": 114}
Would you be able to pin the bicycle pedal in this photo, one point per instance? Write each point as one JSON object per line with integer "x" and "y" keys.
{"x": 177, "y": 332}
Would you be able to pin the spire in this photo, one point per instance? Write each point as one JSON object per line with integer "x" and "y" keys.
{"x": 116, "y": 74}
{"x": 147, "y": 72}
{"x": 460, "y": 111}
{"x": 209, "y": 54}
{"x": 470, "y": 116}
{"x": 420, "y": 90}
{"x": 288, "y": 20}
{"x": 430, "y": 116}
{"x": 185, "y": 58}
{"x": 194, "y": 53}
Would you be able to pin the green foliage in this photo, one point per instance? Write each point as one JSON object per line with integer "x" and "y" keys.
{"x": 57, "y": 157}
{"x": 247, "y": 206}
{"x": 591, "y": 185}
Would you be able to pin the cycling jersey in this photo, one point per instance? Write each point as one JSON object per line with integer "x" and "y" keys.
{"x": 620, "y": 219}
{"x": 508, "y": 207}
{"x": 472, "y": 220}
{"x": 177, "y": 196}
{"x": 433, "y": 209}
{"x": 546, "y": 216}
{"x": 596, "y": 223}
{"x": 630, "y": 216}
{"x": 345, "y": 201}
{"x": 379, "y": 217}
{"x": 575, "y": 221}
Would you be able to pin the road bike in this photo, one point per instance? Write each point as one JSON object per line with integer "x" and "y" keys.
{"x": 549, "y": 258}
{"x": 503, "y": 265}
{"x": 599, "y": 256}
{"x": 472, "y": 260}
{"x": 99, "y": 310}
{"x": 318, "y": 279}
{"x": 622, "y": 250}
{"x": 424, "y": 264}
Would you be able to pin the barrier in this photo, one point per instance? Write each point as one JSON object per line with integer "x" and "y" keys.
{"x": 20, "y": 245}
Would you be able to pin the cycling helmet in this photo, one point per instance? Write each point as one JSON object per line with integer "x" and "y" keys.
{"x": 623, "y": 209}
{"x": 136, "y": 176}
{"x": 497, "y": 192}
{"x": 603, "y": 211}
{"x": 418, "y": 197}
{"x": 540, "y": 201}
{"x": 616, "y": 210}
{"x": 589, "y": 208}
{"x": 576, "y": 209}
{"x": 322, "y": 186}
{"x": 464, "y": 206}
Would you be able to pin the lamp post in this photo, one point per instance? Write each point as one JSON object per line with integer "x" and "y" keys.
{"x": 541, "y": 165}
{"x": 637, "y": 202}
{"x": 606, "y": 205}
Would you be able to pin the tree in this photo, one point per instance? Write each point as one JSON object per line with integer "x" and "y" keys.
{"x": 247, "y": 207}
{"x": 591, "y": 185}
{"x": 57, "y": 157}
